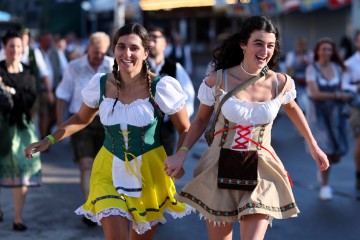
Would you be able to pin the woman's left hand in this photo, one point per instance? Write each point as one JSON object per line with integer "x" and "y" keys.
{"x": 320, "y": 157}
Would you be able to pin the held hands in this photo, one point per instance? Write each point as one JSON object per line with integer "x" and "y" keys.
{"x": 174, "y": 164}
{"x": 37, "y": 147}
{"x": 320, "y": 157}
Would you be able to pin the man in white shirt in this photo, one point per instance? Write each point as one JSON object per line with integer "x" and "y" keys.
{"x": 164, "y": 66}
{"x": 353, "y": 85}
{"x": 77, "y": 75}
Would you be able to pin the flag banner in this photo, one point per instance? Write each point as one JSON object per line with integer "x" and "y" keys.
{"x": 239, "y": 10}
{"x": 338, "y": 3}
{"x": 290, "y": 5}
{"x": 310, "y": 5}
{"x": 269, "y": 7}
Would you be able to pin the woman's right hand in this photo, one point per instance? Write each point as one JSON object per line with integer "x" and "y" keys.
{"x": 36, "y": 147}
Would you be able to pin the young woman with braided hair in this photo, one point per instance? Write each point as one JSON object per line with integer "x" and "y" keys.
{"x": 128, "y": 183}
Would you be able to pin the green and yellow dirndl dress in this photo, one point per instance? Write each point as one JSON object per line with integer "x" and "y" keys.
{"x": 128, "y": 177}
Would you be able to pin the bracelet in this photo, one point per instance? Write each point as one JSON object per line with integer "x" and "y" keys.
{"x": 186, "y": 149}
{"x": 51, "y": 138}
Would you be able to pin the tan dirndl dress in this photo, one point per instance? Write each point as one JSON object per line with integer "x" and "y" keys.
{"x": 272, "y": 196}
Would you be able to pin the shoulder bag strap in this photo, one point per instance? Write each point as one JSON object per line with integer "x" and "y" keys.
{"x": 236, "y": 90}
{"x": 282, "y": 93}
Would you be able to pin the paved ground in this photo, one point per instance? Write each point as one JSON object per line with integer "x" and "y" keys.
{"x": 49, "y": 210}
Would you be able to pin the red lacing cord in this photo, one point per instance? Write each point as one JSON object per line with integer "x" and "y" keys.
{"x": 240, "y": 145}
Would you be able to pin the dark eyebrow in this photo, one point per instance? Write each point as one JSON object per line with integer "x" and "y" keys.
{"x": 123, "y": 44}
{"x": 259, "y": 40}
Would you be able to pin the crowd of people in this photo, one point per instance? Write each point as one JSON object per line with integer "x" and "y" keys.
{"x": 128, "y": 116}
{"x": 327, "y": 82}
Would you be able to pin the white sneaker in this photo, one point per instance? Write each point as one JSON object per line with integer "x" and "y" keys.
{"x": 325, "y": 193}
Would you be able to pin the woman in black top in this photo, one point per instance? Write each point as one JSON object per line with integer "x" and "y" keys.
{"x": 17, "y": 128}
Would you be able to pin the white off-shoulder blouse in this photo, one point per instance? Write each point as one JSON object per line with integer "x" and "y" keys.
{"x": 243, "y": 112}
{"x": 169, "y": 96}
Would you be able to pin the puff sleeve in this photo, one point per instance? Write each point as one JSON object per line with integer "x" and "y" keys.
{"x": 206, "y": 94}
{"x": 290, "y": 93}
{"x": 91, "y": 93}
{"x": 169, "y": 95}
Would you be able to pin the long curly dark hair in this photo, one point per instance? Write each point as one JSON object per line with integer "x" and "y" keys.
{"x": 229, "y": 53}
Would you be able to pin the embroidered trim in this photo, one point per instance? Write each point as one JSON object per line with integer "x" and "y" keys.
{"x": 238, "y": 210}
{"x": 106, "y": 197}
{"x": 225, "y": 133}
{"x": 261, "y": 135}
{"x": 237, "y": 181}
{"x": 129, "y": 189}
{"x": 134, "y": 209}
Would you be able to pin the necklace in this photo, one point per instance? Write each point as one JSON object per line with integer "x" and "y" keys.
{"x": 251, "y": 74}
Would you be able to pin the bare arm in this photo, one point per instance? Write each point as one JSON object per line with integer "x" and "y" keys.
{"x": 195, "y": 131}
{"x": 293, "y": 111}
{"x": 74, "y": 124}
{"x": 316, "y": 94}
{"x": 181, "y": 123}
{"x": 60, "y": 109}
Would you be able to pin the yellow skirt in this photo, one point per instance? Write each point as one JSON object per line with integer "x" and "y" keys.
{"x": 158, "y": 191}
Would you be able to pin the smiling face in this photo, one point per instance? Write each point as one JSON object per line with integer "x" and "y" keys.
{"x": 258, "y": 50}
{"x": 130, "y": 53}
{"x": 14, "y": 49}
{"x": 325, "y": 52}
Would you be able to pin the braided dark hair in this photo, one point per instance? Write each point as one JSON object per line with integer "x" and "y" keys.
{"x": 148, "y": 77}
